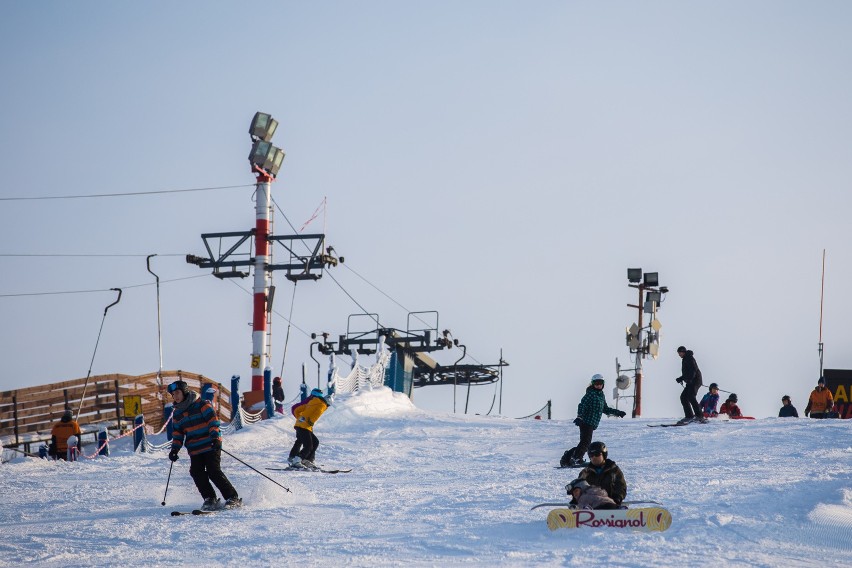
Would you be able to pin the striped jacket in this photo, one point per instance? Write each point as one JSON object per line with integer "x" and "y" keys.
{"x": 195, "y": 427}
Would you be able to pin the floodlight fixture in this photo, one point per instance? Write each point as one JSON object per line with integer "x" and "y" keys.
{"x": 266, "y": 157}
{"x": 634, "y": 274}
{"x": 652, "y": 279}
{"x": 262, "y": 127}
{"x": 653, "y": 297}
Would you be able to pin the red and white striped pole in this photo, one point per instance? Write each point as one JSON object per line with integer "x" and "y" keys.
{"x": 263, "y": 213}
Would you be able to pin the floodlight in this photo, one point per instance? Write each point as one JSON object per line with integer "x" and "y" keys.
{"x": 649, "y": 307}
{"x": 652, "y": 278}
{"x": 634, "y": 274}
{"x": 266, "y": 157}
{"x": 653, "y": 297}
{"x": 262, "y": 127}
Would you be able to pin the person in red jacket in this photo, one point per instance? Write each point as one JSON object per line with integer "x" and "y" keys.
{"x": 730, "y": 407}
{"x": 307, "y": 413}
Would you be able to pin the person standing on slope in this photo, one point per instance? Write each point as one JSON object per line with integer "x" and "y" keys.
{"x": 278, "y": 395}
{"x": 690, "y": 378}
{"x": 820, "y": 402}
{"x": 307, "y": 413}
{"x": 589, "y": 411}
{"x": 788, "y": 410}
{"x": 604, "y": 473}
{"x": 196, "y": 427}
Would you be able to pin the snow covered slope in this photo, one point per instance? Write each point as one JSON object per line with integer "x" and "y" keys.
{"x": 436, "y": 489}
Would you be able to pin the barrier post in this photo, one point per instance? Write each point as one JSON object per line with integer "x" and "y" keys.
{"x": 267, "y": 392}
{"x": 103, "y": 443}
{"x": 139, "y": 433}
{"x": 236, "y": 415}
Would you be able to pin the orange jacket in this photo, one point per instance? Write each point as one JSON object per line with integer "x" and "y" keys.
{"x": 308, "y": 413}
{"x": 62, "y": 431}
{"x": 820, "y": 401}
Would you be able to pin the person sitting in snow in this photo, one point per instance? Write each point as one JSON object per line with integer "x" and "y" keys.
{"x": 278, "y": 395}
{"x": 307, "y": 413}
{"x": 709, "y": 401}
{"x": 604, "y": 473}
{"x": 730, "y": 407}
{"x": 66, "y": 429}
{"x": 585, "y": 496}
{"x": 787, "y": 410}
{"x": 589, "y": 411}
{"x": 820, "y": 402}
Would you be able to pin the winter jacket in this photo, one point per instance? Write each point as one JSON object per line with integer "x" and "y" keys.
{"x": 277, "y": 393}
{"x": 592, "y": 405}
{"x": 195, "y": 425}
{"x": 309, "y": 412}
{"x": 609, "y": 478}
{"x": 787, "y": 411}
{"x": 689, "y": 371}
{"x": 731, "y": 409}
{"x": 60, "y": 433}
{"x": 820, "y": 401}
{"x": 594, "y": 498}
{"x": 708, "y": 404}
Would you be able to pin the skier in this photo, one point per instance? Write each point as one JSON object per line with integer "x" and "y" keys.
{"x": 604, "y": 473}
{"x": 709, "y": 401}
{"x": 589, "y": 411}
{"x": 278, "y": 395}
{"x": 690, "y": 378}
{"x": 61, "y": 433}
{"x": 730, "y": 407}
{"x": 307, "y": 413}
{"x": 585, "y": 496}
{"x": 787, "y": 410}
{"x": 196, "y": 426}
{"x": 820, "y": 402}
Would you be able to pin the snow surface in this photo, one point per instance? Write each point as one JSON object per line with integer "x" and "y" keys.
{"x": 433, "y": 489}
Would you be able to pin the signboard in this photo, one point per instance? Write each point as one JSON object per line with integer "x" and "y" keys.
{"x": 839, "y": 382}
{"x": 132, "y": 405}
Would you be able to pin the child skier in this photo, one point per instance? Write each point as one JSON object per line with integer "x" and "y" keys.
{"x": 708, "y": 403}
{"x": 307, "y": 413}
{"x": 278, "y": 395}
{"x": 730, "y": 407}
{"x": 589, "y": 412}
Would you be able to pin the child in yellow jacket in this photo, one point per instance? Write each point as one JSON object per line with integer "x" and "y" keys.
{"x": 307, "y": 413}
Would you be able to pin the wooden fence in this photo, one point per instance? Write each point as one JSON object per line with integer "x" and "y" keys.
{"x": 28, "y": 414}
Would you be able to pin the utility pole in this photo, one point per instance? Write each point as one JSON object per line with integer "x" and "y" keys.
{"x": 642, "y": 340}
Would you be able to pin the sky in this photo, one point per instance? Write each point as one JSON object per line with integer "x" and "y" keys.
{"x": 432, "y": 488}
{"x": 500, "y": 163}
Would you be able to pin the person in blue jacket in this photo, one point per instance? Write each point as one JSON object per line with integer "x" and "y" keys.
{"x": 787, "y": 410}
{"x": 589, "y": 411}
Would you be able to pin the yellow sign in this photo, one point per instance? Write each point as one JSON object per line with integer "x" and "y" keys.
{"x": 132, "y": 405}
{"x": 255, "y": 361}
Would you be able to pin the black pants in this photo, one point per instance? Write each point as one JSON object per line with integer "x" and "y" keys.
{"x": 689, "y": 400}
{"x": 205, "y": 468}
{"x": 586, "y": 433}
{"x": 307, "y": 441}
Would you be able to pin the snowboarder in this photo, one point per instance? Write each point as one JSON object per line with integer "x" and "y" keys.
{"x": 730, "y": 407}
{"x": 820, "y": 402}
{"x": 787, "y": 410}
{"x": 63, "y": 431}
{"x": 690, "y": 378}
{"x": 589, "y": 411}
{"x": 585, "y": 496}
{"x": 196, "y": 427}
{"x": 604, "y": 473}
{"x": 307, "y": 413}
{"x": 278, "y": 395}
{"x": 709, "y": 401}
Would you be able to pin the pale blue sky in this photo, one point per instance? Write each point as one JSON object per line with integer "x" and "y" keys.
{"x": 500, "y": 162}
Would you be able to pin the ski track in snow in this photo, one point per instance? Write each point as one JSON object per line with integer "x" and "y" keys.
{"x": 430, "y": 489}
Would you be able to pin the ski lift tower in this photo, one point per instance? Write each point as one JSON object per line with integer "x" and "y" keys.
{"x": 643, "y": 340}
{"x": 306, "y": 263}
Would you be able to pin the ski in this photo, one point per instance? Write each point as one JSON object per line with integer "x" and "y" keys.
{"x": 180, "y": 513}
{"x": 577, "y": 466}
{"x": 318, "y": 469}
{"x": 569, "y": 504}
{"x": 193, "y": 512}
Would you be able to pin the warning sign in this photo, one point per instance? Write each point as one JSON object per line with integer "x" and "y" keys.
{"x": 132, "y": 405}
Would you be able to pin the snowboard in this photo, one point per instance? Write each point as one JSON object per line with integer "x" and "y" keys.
{"x": 577, "y": 466}
{"x": 645, "y": 519}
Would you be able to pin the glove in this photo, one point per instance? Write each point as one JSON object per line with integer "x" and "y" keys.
{"x": 621, "y": 413}
{"x": 679, "y": 380}
{"x": 806, "y": 413}
{"x": 173, "y": 455}
{"x": 578, "y": 422}
{"x": 216, "y": 443}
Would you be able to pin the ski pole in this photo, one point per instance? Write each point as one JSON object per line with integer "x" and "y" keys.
{"x": 253, "y": 469}
{"x": 167, "y": 483}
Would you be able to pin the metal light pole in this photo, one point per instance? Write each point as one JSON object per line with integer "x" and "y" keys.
{"x": 644, "y": 342}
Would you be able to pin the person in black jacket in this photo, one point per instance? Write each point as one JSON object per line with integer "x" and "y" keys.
{"x": 788, "y": 410}
{"x": 278, "y": 395}
{"x": 690, "y": 378}
{"x": 604, "y": 473}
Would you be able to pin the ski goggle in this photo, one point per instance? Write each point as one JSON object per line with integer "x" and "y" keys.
{"x": 173, "y": 387}
{"x": 593, "y": 454}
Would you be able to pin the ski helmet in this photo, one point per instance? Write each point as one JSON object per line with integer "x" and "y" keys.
{"x": 276, "y": 380}
{"x": 580, "y": 484}
{"x": 785, "y": 397}
{"x": 713, "y": 386}
{"x": 733, "y": 397}
{"x": 598, "y": 378}
{"x": 317, "y": 392}
{"x": 179, "y": 386}
{"x": 597, "y": 448}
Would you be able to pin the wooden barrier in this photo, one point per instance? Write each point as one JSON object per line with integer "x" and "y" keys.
{"x": 28, "y": 414}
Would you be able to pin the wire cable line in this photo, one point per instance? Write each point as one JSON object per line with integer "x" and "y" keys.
{"x": 94, "y": 195}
